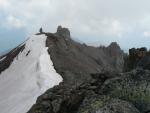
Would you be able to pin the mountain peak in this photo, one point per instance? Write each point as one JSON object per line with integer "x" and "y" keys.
{"x": 114, "y": 49}
{"x": 114, "y": 45}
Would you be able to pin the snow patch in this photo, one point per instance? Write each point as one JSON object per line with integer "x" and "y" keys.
{"x": 28, "y": 77}
{"x": 2, "y": 58}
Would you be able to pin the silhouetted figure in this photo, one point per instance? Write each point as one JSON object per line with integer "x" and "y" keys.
{"x": 41, "y": 30}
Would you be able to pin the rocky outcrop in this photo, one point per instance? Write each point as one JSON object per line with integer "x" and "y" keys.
{"x": 139, "y": 57}
{"x": 60, "y": 99}
{"x": 117, "y": 55}
{"x": 63, "y": 32}
{"x": 126, "y": 93}
{"x": 66, "y": 98}
{"x": 114, "y": 49}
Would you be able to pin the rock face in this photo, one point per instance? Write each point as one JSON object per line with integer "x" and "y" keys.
{"x": 117, "y": 55}
{"x": 75, "y": 61}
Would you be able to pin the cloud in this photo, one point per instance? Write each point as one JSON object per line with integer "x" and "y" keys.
{"x": 14, "y": 22}
{"x": 4, "y": 3}
{"x": 50, "y": 13}
{"x": 146, "y": 34}
{"x": 103, "y": 20}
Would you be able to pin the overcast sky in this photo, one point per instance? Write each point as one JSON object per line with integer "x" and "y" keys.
{"x": 92, "y": 21}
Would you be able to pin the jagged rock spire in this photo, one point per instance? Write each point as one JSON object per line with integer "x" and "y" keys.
{"x": 63, "y": 32}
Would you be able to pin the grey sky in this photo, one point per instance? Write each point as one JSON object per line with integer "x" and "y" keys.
{"x": 91, "y": 21}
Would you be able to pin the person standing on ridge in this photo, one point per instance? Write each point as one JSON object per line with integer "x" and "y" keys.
{"x": 41, "y": 30}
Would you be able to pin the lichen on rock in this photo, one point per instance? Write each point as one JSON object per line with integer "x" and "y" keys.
{"x": 133, "y": 86}
{"x": 106, "y": 104}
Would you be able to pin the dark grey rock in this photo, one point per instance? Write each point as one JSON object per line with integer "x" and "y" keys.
{"x": 75, "y": 61}
{"x": 133, "y": 86}
{"x": 138, "y": 57}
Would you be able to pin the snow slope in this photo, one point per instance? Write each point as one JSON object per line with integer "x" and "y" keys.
{"x": 30, "y": 74}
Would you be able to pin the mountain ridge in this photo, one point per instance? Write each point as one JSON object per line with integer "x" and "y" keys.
{"x": 84, "y": 59}
{"x": 94, "y": 80}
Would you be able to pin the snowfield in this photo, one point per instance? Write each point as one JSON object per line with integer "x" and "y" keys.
{"x": 30, "y": 75}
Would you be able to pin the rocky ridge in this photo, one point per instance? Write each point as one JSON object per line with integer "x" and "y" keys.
{"x": 75, "y": 61}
